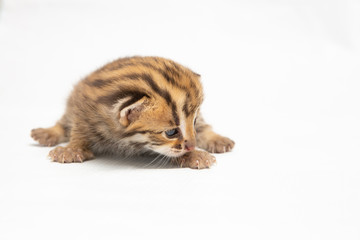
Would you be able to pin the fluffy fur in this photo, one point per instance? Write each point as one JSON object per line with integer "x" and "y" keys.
{"x": 132, "y": 106}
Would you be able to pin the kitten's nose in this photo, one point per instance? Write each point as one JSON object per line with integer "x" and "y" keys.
{"x": 189, "y": 145}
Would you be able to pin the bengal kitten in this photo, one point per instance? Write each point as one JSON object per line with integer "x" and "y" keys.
{"x": 132, "y": 106}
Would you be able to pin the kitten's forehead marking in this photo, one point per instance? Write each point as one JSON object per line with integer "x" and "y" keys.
{"x": 183, "y": 125}
{"x": 183, "y": 116}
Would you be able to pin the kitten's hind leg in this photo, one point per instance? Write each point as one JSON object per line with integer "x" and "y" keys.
{"x": 210, "y": 141}
{"x": 50, "y": 136}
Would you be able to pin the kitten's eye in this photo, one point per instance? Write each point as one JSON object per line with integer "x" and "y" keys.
{"x": 172, "y": 132}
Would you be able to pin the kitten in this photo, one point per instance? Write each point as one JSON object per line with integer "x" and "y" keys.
{"x": 132, "y": 106}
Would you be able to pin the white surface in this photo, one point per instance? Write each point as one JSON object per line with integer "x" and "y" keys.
{"x": 281, "y": 78}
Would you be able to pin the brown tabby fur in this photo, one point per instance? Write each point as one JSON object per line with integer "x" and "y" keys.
{"x": 127, "y": 106}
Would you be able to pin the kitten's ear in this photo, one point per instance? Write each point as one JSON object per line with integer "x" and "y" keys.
{"x": 131, "y": 112}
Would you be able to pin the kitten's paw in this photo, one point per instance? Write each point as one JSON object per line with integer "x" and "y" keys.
{"x": 70, "y": 155}
{"x": 219, "y": 144}
{"x": 197, "y": 160}
{"x": 45, "y": 136}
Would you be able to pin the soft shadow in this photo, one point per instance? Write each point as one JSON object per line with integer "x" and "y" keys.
{"x": 35, "y": 144}
{"x": 38, "y": 145}
{"x": 137, "y": 162}
{"x": 119, "y": 161}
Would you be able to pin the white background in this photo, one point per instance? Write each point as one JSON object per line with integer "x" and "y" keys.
{"x": 281, "y": 78}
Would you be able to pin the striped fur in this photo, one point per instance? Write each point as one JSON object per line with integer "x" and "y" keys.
{"x": 127, "y": 106}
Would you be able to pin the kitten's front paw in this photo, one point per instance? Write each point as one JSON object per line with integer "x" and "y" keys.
{"x": 197, "y": 159}
{"x": 218, "y": 144}
{"x": 70, "y": 155}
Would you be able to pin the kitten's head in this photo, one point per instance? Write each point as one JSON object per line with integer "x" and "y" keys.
{"x": 163, "y": 121}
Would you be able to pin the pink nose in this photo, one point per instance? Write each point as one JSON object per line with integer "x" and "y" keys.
{"x": 189, "y": 146}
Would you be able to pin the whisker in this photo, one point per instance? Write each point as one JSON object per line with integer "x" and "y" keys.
{"x": 165, "y": 162}
{"x": 175, "y": 160}
{"x": 158, "y": 156}
{"x": 161, "y": 162}
{"x": 154, "y": 163}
